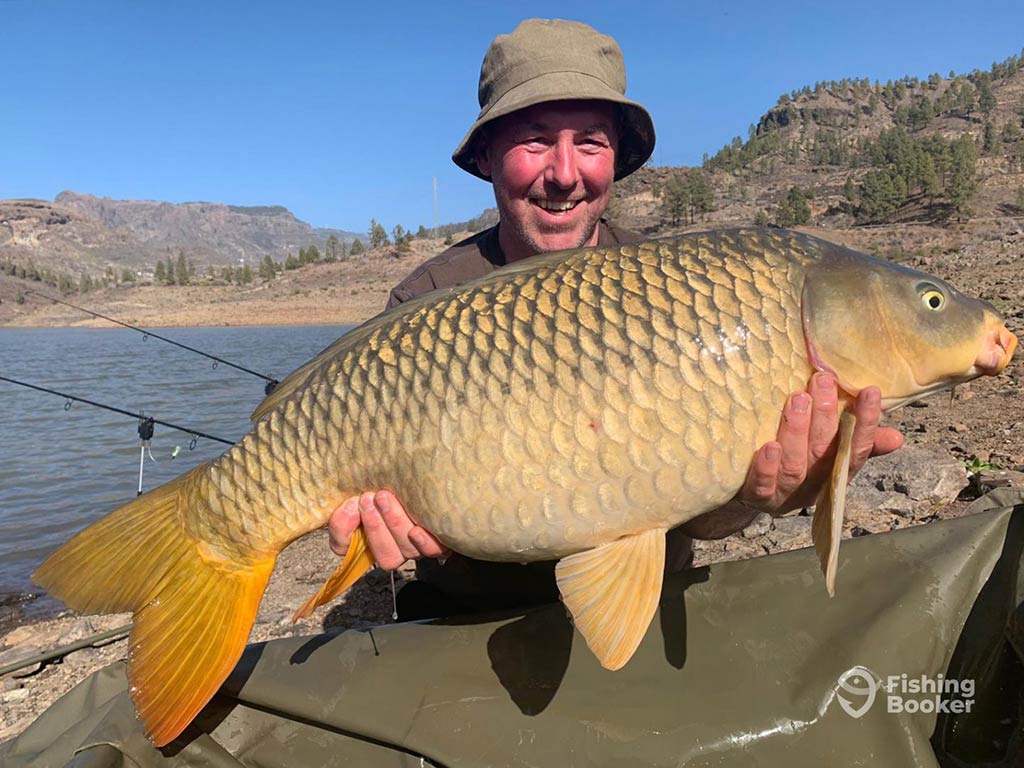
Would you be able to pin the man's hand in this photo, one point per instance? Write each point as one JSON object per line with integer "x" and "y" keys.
{"x": 788, "y": 473}
{"x": 391, "y": 535}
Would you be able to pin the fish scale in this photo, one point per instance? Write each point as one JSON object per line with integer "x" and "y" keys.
{"x": 572, "y": 406}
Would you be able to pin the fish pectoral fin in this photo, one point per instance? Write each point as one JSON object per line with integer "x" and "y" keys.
{"x": 612, "y": 592}
{"x": 827, "y": 527}
{"x": 358, "y": 561}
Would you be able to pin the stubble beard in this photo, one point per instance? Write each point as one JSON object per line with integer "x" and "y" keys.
{"x": 527, "y": 238}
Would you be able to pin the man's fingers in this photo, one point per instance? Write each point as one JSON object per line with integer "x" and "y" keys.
{"x": 397, "y": 521}
{"x": 887, "y": 440}
{"x": 341, "y": 524}
{"x": 427, "y": 543}
{"x": 824, "y": 416}
{"x": 379, "y": 539}
{"x": 760, "y": 485}
{"x": 793, "y": 436}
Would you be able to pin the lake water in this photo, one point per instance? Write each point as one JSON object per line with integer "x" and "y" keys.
{"x": 63, "y": 469}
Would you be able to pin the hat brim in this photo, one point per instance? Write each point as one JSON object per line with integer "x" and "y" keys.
{"x": 635, "y": 144}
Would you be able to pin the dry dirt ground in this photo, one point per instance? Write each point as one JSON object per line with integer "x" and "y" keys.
{"x": 982, "y": 425}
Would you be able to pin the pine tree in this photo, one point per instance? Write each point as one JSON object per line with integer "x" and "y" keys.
{"x": 963, "y": 181}
{"x": 169, "y": 275}
{"x": 992, "y": 143}
{"x": 702, "y": 196}
{"x": 181, "y": 270}
{"x": 378, "y": 235}
{"x": 246, "y": 277}
{"x": 267, "y": 270}
{"x": 332, "y": 248}
{"x": 127, "y": 276}
{"x": 312, "y": 255}
{"x": 160, "y": 273}
{"x": 850, "y": 190}
{"x": 986, "y": 100}
{"x": 357, "y": 247}
{"x": 794, "y": 210}
{"x": 675, "y": 199}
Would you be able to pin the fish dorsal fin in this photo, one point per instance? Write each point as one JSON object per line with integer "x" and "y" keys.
{"x": 358, "y": 561}
{"x": 612, "y": 592}
{"x": 827, "y": 527}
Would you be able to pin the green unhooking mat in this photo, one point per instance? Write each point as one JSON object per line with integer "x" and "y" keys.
{"x": 916, "y": 662}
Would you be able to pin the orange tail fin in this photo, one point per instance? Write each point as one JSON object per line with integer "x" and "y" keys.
{"x": 193, "y": 607}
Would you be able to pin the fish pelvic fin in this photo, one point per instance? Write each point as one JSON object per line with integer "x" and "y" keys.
{"x": 358, "y": 561}
{"x": 612, "y": 592}
{"x": 827, "y": 526}
{"x": 193, "y": 606}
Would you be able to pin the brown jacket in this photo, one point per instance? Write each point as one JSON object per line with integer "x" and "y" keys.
{"x": 475, "y": 257}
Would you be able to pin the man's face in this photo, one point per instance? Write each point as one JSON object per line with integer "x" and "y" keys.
{"x": 552, "y": 166}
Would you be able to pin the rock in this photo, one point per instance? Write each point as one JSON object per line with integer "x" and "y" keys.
{"x": 922, "y": 473}
{"x": 78, "y": 630}
{"x": 25, "y": 651}
{"x": 19, "y": 635}
{"x": 18, "y": 694}
{"x": 871, "y": 501}
{"x": 960, "y": 428}
{"x": 791, "y": 532}
{"x": 990, "y": 479}
{"x": 759, "y": 526}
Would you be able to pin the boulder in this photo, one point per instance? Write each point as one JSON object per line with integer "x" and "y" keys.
{"x": 921, "y": 473}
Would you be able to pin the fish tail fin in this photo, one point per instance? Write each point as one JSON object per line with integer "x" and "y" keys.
{"x": 358, "y": 561}
{"x": 193, "y": 606}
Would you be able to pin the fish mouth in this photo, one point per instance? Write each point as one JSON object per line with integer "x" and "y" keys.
{"x": 997, "y": 349}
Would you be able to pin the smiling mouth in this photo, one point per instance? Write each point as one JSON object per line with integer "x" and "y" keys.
{"x": 555, "y": 206}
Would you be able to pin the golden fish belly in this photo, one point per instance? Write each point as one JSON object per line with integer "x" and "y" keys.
{"x": 554, "y": 408}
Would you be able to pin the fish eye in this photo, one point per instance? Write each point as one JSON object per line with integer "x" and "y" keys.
{"x": 933, "y": 299}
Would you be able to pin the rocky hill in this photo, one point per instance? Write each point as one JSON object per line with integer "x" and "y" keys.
{"x": 84, "y": 234}
{"x": 828, "y": 139}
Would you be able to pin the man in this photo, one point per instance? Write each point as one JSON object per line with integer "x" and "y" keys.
{"x": 554, "y": 131}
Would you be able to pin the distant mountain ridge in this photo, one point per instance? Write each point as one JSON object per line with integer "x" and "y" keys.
{"x": 249, "y": 231}
{"x": 81, "y": 233}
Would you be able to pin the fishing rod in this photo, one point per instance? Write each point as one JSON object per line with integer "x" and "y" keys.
{"x": 271, "y": 382}
{"x": 142, "y": 419}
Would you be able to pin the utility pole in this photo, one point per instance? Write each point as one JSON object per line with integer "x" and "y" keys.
{"x": 435, "y": 208}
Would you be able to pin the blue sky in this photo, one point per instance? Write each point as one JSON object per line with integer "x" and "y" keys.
{"x": 343, "y": 114}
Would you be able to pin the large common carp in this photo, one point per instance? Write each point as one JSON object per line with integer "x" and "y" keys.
{"x": 573, "y": 406}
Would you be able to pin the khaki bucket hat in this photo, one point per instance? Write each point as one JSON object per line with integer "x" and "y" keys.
{"x": 546, "y": 60}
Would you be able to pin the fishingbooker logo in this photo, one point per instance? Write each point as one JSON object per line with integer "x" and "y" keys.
{"x": 858, "y": 688}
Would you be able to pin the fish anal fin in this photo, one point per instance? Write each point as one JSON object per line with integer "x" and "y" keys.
{"x": 827, "y": 526}
{"x": 612, "y": 592}
{"x": 358, "y": 561}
